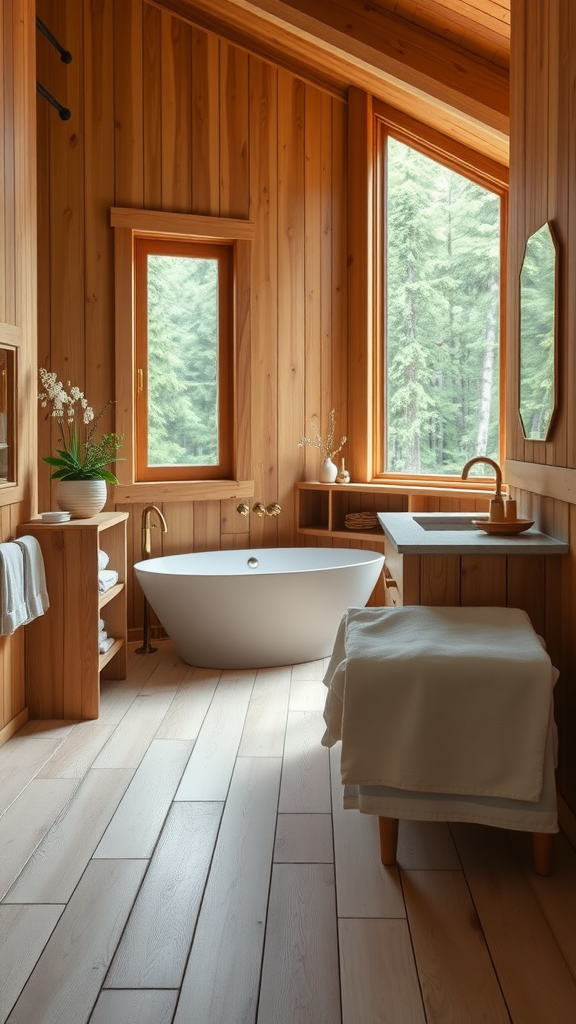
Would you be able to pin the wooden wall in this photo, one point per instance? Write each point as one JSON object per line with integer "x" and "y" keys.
{"x": 169, "y": 117}
{"x": 18, "y": 302}
{"x": 543, "y": 187}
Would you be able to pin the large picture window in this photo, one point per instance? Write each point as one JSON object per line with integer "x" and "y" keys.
{"x": 184, "y": 359}
{"x": 442, "y": 315}
{"x": 433, "y": 366}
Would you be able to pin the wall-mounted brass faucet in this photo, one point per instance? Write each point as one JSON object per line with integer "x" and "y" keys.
{"x": 147, "y": 526}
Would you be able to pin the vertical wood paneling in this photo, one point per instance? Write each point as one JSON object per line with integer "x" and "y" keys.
{"x": 67, "y": 197}
{"x": 99, "y": 197}
{"x": 9, "y": 225}
{"x": 312, "y": 276}
{"x": 176, "y": 114}
{"x": 128, "y": 105}
{"x": 18, "y": 299}
{"x": 264, "y": 212}
{"x": 234, "y": 162}
{"x": 339, "y": 334}
{"x": 291, "y": 314}
{"x": 152, "y": 100}
{"x": 205, "y": 123}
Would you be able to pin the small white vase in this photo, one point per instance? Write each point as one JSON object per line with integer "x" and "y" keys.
{"x": 328, "y": 472}
{"x": 82, "y": 498}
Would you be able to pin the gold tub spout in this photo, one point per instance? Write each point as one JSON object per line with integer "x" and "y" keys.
{"x": 147, "y": 526}
{"x": 497, "y": 502}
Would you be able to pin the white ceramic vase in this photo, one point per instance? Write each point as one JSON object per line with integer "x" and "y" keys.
{"x": 82, "y": 498}
{"x": 328, "y": 472}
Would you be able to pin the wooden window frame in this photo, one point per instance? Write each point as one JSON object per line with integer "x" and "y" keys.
{"x": 370, "y": 121}
{"x": 234, "y": 479}
{"x": 147, "y": 245}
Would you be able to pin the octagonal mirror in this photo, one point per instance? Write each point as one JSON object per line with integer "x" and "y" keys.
{"x": 538, "y": 334}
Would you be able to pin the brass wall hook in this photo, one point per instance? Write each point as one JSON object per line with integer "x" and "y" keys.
{"x": 274, "y": 509}
{"x": 259, "y": 509}
{"x": 243, "y": 509}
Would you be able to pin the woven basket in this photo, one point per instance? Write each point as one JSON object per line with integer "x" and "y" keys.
{"x": 361, "y": 521}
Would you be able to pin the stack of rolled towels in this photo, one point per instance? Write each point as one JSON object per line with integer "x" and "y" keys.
{"x": 104, "y": 641}
{"x": 106, "y": 577}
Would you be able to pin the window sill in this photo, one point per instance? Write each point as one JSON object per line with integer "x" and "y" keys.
{"x": 181, "y": 490}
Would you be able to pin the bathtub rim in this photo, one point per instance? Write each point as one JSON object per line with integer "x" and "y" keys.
{"x": 362, "y": 556}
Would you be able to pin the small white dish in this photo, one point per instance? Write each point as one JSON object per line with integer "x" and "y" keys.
{"x": 55, "y": 517}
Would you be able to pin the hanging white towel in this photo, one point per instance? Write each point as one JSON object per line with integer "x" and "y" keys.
{"x": 13, "y": 610}
{"x": 106, "y": 579}
{"x": 35, "y": 592}
{"x": 103, "y": 559}
{"x": 105, "y": 645}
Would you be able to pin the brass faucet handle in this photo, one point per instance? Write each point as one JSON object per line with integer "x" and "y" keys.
{"x": 243, "y": 509}
{"x": 274, "y": 509}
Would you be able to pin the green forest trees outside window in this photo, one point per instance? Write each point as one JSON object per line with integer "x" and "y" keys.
{"x": 184, "y": 357}
{"x": 441, "y": 315}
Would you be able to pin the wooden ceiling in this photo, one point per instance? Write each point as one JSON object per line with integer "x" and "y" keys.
{"x": 480, "y": 26}
{"x": 444, "y": 62}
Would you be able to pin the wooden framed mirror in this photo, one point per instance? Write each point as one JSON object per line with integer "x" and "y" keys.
{"x": 7, "y": 419}
{"x": 538, "y": 350}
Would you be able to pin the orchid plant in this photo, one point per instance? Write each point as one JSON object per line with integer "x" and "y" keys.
{"x": 81, "y": 456}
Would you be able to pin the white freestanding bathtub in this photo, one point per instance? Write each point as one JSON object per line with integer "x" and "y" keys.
{"x": 257, "y": 608}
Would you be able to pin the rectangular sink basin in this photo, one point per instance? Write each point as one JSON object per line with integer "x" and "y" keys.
{"x": 447, "y": 522}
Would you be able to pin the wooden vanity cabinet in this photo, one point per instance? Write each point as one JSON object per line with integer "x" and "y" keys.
{"x": 63, "y": 666}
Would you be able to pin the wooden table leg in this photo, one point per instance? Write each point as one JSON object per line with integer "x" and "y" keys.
{"x": 388, "y": 840}
{"x": 542, "y": 852}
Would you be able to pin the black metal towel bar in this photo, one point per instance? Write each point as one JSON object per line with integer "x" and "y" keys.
{"x": 63, "y": 111}
{"x": 65, "y": 57}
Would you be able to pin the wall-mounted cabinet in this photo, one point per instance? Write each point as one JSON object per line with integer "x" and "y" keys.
{"x": 63, "y": 666}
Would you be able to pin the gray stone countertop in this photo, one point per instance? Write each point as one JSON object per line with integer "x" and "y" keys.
{"x": 453, "y": 533}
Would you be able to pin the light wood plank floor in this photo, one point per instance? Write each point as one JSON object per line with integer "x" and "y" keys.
{"x": 187, "y": 859}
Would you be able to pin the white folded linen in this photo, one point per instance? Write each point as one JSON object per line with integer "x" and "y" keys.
{"x": 101, "y": 624}
{"x": 520, "y": 815}
{"x": 102, "y": 635}
{"x": 103, "y": 559}
{"x": 13, "y": 609}
{"x": 106, "y": 579}
{"x": 105, "y": 645}
{"x": 35, "y": 592}
{"x": 442, "y": 700}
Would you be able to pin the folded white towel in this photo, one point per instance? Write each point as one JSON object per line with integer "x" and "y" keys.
{"x": 13, "y": 610}
{"x": 35, "y": 593}
{"x": 103, "y": 559}
{"x": 443, "y": 700}
{"x": 106, "y": 579}
{"x": 102, "y": 636}
{"x": 105, "y": 645}
{"x": 101, "y": 624}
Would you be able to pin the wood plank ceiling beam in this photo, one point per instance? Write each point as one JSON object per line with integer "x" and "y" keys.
{"x": 338, "y": 44}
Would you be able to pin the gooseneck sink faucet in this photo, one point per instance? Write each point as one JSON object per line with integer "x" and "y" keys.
{"x": 497, "y": 502}
{"x": 147, "y": 527}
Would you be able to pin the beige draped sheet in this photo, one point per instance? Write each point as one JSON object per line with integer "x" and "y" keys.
{"x": 444, "y": 714}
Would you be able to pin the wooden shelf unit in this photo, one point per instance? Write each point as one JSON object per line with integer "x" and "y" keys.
{"x": 63, "y": 666}
{"x": 321, "y": 511}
